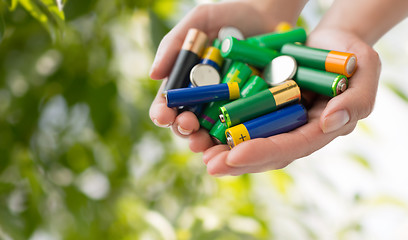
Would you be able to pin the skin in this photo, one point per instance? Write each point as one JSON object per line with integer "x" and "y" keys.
{"x": 328, "y": 118}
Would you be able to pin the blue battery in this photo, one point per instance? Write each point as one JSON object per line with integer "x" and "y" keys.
{"x": 196, "y": 109}
{"x": 204, "y": 94}
{"x": 280, "y": 121}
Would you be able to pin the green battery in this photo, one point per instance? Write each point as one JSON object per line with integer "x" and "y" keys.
{"x": 239, "y": 72}
{"x": 331, "y": 61}
{"x": 216, "y": 43}
{"x": 276, "y": 40}
{"x": 254, "y": 85}
{"x": 322, "y": 82}
{"x": 217, "y": 133}
{"x": 264, "y": 102}
{"x": 240, "y": 50}
{"x": 226, "y": 67}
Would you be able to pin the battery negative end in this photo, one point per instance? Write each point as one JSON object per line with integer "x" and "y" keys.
{"x": 221, "y": 116}
{"x": 230, "y": 141}
{"x": 226, "y": 45}
{"x": 164, "y": 94}
{"x": 215, "y": 140}
{"x": 351, "y": 65}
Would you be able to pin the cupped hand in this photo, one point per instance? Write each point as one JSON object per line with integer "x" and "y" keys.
{"x": 328, "y": 118}
{"x": 209, "y": 18}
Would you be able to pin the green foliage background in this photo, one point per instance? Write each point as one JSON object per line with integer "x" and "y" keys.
{"x": 79, "y": 156}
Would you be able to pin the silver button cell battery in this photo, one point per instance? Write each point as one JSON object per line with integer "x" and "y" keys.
{"x": 230, "y": 31}
{"x": 203, "y": 74}
{"x": 279, "y": 70}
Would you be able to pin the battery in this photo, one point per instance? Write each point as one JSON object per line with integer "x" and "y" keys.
{"x": 332, "y": 61}
{"x": 204, "y": 94}
{"x": 217, "y": 133}
{"x": 239, "y": 50}
{"x": 229, "y": 31}
{"x": 254, "y": 85}
{"x": 280, "y": 121}
{"x": 283, "y": 27}
{"x": 276, "y": 40}
{"x": 203, "y": 74}
{"x": 239, "y": 72}
{"x": 187, "y": 58}
{"x": 216, "y": 43}
{"x": 324, "y": 83}
{"x": 264, "y": 102}
{"x": 212, "y": 56}
{"x": 279, "y": 70}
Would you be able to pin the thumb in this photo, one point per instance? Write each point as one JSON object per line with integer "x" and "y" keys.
{"x": 357, "y": 102}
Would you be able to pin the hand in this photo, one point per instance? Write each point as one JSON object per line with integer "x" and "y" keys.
{"x": 328, "y": 118}
{"x": 251, "y": 20}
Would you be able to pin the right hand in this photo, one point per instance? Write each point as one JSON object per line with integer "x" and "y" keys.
{"x": 209, "y": 18}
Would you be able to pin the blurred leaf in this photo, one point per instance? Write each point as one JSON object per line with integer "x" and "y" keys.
{"x": 365, "y": 127}
{"x": 361, "y": 160}
{"x": 157, "y": 28}
{"x": 48, "y": 14}
{"x": 2, "y": 28}
{"x": 165, "y": 8}
{"x": 397, "y": 90}
{"x": 74, "y": 9}
{"x": 301, "y": 22}
{"x": 12, "y": 4}
{"x": 281, "y": 180}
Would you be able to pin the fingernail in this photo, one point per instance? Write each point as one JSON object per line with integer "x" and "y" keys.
{"x": 335, "y": 121}
{"x": 161, "y": 125}
{"x": 183, "y": 131}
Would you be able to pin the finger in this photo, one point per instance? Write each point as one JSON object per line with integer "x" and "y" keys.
{"x": 160, "y": 114}
{"x": 171, "y": 44}
{"x": 218, "y": 15}
{"x": 213, "y": 151}
{"x": 217, "y": 167}
{"x": 185, "y": 124}
{"x": 278, "y": 151}
{"x": 200, "y": 141}
{"x": 358, "y": 100}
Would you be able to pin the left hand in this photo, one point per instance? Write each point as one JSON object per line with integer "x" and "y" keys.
{"x": 328, "y": 118}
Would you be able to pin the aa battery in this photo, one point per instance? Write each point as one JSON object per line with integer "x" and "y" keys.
{"x": 254, "y": 85}
{"x": 216, "y": 43}
{"x": 279, "y": 70}
{"x": 331, "y": 61}
{"x": 217, "y": 133}
{"x": 207, "y": 72}
{"x": 239, "y": 50}
{"x": 264, "y": 102}
{"x": 229, "y": 31}
{"x": 325, "y": 83}
{"x": 204, "y": 94}
{"x": 187, "y": 58}
{"x": 239, "y": 72}
{"x": 283, "y": 27}
{"x": 276, "y": 40}
{"x": 212, "y": 56}
{"x": 280, "y": 121}
{"x": 203, "y": 75}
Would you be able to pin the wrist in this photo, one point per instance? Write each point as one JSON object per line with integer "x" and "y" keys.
{"x": 272, "y": 12}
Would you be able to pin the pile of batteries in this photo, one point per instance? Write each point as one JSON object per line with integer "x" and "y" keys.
{"x": 264, "y": 73}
